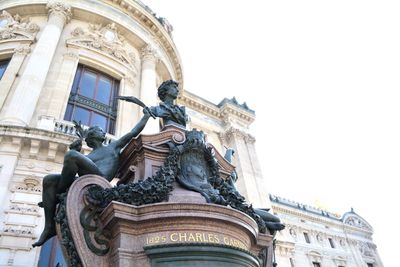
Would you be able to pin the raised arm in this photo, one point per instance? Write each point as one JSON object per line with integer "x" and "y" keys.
{"x": 124, "y": 140}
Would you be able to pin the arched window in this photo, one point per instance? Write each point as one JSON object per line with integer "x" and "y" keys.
{"x": 92, "y": 99}
{"x": 3, "y": 67}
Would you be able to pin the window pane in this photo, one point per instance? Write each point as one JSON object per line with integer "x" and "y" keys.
{"x": 99, "y": 120}
{"x": 81, "y": 114}
{"x": 88, "y": 82}
{"x": 104, "y": 91}
{"x": 3, "y": 66}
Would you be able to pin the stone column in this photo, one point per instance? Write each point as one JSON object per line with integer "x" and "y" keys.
{"x": 28, "y": 90}
{"x": 148, "y": 88}
{"x": 11, "y": 72}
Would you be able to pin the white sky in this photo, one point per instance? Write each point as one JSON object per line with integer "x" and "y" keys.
{"x": 323, "y": 78}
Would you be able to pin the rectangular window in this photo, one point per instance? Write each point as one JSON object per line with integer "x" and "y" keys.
{"x": 370, "y": 264}
{"x": 3, "y": 67}
{"x": 331, "y": 243}
{"x": 307, "y": 238}
{"x": 92, "y": 99}
{"x": 316, "y": 264}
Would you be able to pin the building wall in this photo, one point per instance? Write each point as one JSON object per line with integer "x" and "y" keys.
{"x": 350, "y": 234}
{"x": 45, "y": 42}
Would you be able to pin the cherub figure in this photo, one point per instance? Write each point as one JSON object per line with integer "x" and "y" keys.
{"x": 103, "y": 160}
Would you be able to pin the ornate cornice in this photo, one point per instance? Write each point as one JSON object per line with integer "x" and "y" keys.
{"x": 17, "y": 28}
{"x": 157, "y": 27}
{"x": 224, "y": 113}
{"x": 60, "y": 8}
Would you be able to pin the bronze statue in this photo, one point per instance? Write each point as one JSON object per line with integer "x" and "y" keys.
{"x": 166, "y": 110}
{"x": 103, "y": 161}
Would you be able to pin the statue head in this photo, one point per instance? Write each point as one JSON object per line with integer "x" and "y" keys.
{"x": 170, "y": 88}
{"x": 95, "y": 135}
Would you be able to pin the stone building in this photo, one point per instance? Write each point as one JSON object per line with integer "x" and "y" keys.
{"x": 68, "y": 60}
{"x": 314, "y": 237}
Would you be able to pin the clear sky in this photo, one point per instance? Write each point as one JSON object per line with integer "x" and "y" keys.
{"x": 323, "y": 78}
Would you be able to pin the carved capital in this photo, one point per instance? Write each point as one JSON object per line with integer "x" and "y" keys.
{"x": 130, "y": 79}
{"x": 71, "y": 55}
{"x": 148, "y": 53}
{"x": 60, "y": 9}
{"x": 22, "y": 50}
{"x": 232, "y": 133}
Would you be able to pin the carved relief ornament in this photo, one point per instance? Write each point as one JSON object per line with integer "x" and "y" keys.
{"x": 60, "y": 8}
{"x": 148, "y": 53}
{"x": 104, "y": 39}
{"x": 16, "y": 28}
{"x": 232, "y": 132}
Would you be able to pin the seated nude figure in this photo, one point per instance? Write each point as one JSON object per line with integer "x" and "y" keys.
{"x": 102, "y": 160}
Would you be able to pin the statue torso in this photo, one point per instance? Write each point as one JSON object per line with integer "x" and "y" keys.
{"x": 106, "y": 158}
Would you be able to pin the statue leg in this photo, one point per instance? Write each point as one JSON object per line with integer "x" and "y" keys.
{"x": 49, "y": 204}
{"x": 76, "y": 163}
{"x": 53, "y": 184}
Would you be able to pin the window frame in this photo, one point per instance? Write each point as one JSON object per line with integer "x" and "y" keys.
{"x": 91, "y": 104}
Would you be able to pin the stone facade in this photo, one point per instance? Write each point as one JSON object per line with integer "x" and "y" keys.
{"x": 44, "y": 42}
{"x": 316, "y": 236}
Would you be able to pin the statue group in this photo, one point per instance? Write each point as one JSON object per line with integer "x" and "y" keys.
{"x": 198, "y": 168}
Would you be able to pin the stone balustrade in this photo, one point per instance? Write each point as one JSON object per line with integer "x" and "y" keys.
{"x": 67, "y": 127}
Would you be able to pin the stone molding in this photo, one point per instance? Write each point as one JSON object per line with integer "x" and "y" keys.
{"x": 22, "y": 50}
{"x": 106, "y": 40}
{"x": 61, "y": 9}
{"x": 17, "y": 28}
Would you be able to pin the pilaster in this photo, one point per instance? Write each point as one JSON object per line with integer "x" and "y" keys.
{"x": 250, "y": 183}
{"x": 27, "y": 92}
{"x": 61, "y": 91}
{"x": 12, "y": 70}
{"x": 148, "y": 88}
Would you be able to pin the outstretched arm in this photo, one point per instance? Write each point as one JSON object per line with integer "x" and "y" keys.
{"x": 124, "y": 140}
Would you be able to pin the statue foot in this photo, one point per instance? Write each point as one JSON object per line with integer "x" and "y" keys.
{"x": 275, "y": 226}
{"x": 46, "y": 235}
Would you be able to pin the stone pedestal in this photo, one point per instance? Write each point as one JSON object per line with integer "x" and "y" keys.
{"x": 180, "y": 230}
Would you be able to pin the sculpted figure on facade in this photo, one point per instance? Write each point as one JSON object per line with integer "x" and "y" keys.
{"x": 15, "y": 27}
{"x": 102, "y": 161}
